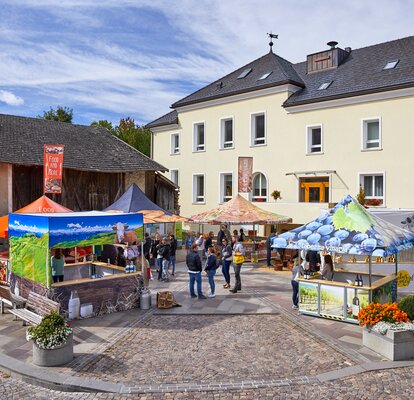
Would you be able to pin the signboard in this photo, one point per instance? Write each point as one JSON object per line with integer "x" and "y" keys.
{"x": 245, "y": 174}
{"x": 53, "y": 168}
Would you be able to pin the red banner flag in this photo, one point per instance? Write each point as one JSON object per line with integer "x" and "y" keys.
{"x": 53, "y": 168}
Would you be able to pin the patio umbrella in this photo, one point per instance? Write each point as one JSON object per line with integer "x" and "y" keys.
{"x": 239, "y": 211}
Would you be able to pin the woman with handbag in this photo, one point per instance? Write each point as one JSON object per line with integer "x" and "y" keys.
{"x": 226, "y": 258}
{"x": 238, "y": 260}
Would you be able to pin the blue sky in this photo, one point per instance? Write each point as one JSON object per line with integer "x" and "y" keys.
{"x": 109, "y": 59}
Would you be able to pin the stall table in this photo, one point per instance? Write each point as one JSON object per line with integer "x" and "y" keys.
{"x": 340, "y": 299}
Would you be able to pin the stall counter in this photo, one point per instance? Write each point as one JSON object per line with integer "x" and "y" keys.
{"x": 340, "y": 299}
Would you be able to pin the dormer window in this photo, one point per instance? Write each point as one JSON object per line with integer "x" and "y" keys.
{"x": 391, "y": 64}
{"x": 325, "y": 85}
{"x": 244, "y": 73}
{"x": 264, "y": 76}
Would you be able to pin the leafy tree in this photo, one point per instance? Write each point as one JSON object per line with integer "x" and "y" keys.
{"x": 103, "y": 123}
{"x": 361, "y": 195}
{"x": 62, "y": 114}
{"x": 135, "y": 135}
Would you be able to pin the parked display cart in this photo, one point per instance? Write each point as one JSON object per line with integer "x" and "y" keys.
{"x": 103, "y": 286}
{"x": 348, "y": 228}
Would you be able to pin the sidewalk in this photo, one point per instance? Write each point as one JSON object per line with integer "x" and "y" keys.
{"x": 109, "y": 349}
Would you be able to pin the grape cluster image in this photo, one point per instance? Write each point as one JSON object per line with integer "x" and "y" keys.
{"x": 347, "y": 228}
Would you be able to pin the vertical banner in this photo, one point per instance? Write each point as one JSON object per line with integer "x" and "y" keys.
{"x": 53, "y": 168}
{"x": 245, "y": 174}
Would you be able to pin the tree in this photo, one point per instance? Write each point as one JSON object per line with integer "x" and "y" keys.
{"x": 361, "y": 195}
{"x": 103, "y": 123}
{"x": 135, "y": 135}
{"x": 62, "y": 114}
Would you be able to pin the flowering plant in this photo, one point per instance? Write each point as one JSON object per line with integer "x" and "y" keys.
{"x": 373, "y": 202}
{"x": 50, "y": 333}
{"x": 375, "y": 312}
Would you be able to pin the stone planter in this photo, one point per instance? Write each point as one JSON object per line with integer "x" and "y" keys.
{"x": 53, "y": 357}
{"x": 394, "y": 345}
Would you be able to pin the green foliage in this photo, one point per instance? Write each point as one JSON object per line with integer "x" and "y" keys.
{"x": 103, "y": 123}
{"x": 276, "y": 194}
{"x": 51, "y": 332}
{"x": 135, "y": 135}
{"x": 361, "y": 195}
{"x": 62, "y": 114}
{"x": 352, "y": 218}
{"x": 407, "y": 304}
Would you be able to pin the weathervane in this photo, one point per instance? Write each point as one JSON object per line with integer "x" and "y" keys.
{"x": 271, "y": 36}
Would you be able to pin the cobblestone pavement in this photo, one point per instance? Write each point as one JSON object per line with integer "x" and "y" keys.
{"x": 199, "y": 349}
{"x": 395, "y": 384}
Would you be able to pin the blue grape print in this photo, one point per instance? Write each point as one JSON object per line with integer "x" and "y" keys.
{"x": 359, "y": 237}
{"x": 304, "y": 234}
{"x": 369, "y": 245}
{"x": 333, "y": 242}
{"x": 314, "y": 238}
{"x": 312, "y": 226}
{"x": 341, "y": 234}
{"x": 325, "y": 230}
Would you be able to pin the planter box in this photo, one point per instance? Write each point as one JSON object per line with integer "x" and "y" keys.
{"x": 394, "y": 345}
{"x": 53, "y": 357}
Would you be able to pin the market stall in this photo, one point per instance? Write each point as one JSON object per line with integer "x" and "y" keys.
{"x": 238, "y": 211}
{"x": 42, "y": 205}
{"x": 348, "y": 228}
{"x": 104, "y": 286}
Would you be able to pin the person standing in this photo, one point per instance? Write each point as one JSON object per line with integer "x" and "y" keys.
{"x": 314, "y": 260}
{"x": 269, "y": 249}
{"x": 208, "y": 242}
{"x": 120, "y": 258}
{"x": 327, "y": 269}
{"x": 173, "y": 249}
{"x": 226, "y": 259}
{"x": 147, "y": 246}
{"x": 242, "y": 236}
{"x": 189, "y": 240}
{"x": 238, "y": 250}
{"x": 164, "y": 256}
{"x": 57, "y": 263}
{"x": 211, "y": 266}
{"x": 193, "y": 262}
{"x": 199, "y": 241}
{"x": 296, "y": 272}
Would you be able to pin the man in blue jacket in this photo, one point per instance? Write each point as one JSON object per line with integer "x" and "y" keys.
{"x": 193, "y": 262}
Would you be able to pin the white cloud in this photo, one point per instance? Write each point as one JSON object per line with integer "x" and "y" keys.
{"x": 130, "y": 72}
{"x": 10, "y": 98}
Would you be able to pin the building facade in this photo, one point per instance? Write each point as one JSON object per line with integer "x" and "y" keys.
{"x": 316, "y": 130}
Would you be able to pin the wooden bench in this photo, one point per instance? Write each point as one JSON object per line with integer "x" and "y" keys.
{"x": 37, "y": 306}
{"x": 11, "y": 299}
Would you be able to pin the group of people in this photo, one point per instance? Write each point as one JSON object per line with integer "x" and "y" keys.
{"x": 311, "y": 261}
{"x": 161, "y": 252}
{"x": 226, "y": 251}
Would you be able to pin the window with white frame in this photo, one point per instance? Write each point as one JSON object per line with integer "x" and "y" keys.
{"x": 314, "y": 139}
{"x": 258, "y": 129}
{"x": 175, "y": 143}
{"x": 198, "y": 188}
{"x": 371, "y": 134}
{"x": 226, "y": 133}
{"x": 199, "y": 137}
{"x": 226, "y": 187}
{"x": 259, "y": 187}
{"x": 174, "y": 176}
{"x": 373, "y": 185}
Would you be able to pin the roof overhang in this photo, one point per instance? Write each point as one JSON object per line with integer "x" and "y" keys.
{"x": 164, "y": 128}
{"x": 324, "y": 171}
{"x": 251, "y": 93}
{"x": 345, "y": 99}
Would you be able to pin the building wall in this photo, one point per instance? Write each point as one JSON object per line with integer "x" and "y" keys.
{"x": 137, "y": 177}
{"x": 285, "y": 151}
{"x": 4, "y": 185}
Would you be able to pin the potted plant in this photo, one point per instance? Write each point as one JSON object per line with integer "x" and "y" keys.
{"x": 52, "y": 341}
{"x": 373, "y": 202}
{"x": 388, "y": 331}
{"x": 276, "y": 195}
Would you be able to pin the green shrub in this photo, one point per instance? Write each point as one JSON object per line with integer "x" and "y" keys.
{"x": 50, "y": 333}
{"x": 407, "y": 304}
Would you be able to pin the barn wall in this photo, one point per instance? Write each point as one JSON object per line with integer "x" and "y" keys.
{"x": 137, "y": 177}
{"x": 82, "y": 190}
{"x": 4, "y": 191}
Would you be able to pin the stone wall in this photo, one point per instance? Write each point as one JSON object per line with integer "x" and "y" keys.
{"x": 137, "y": 177}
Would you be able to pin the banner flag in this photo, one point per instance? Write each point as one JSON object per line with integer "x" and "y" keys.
{"x": 53, "y": 168}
